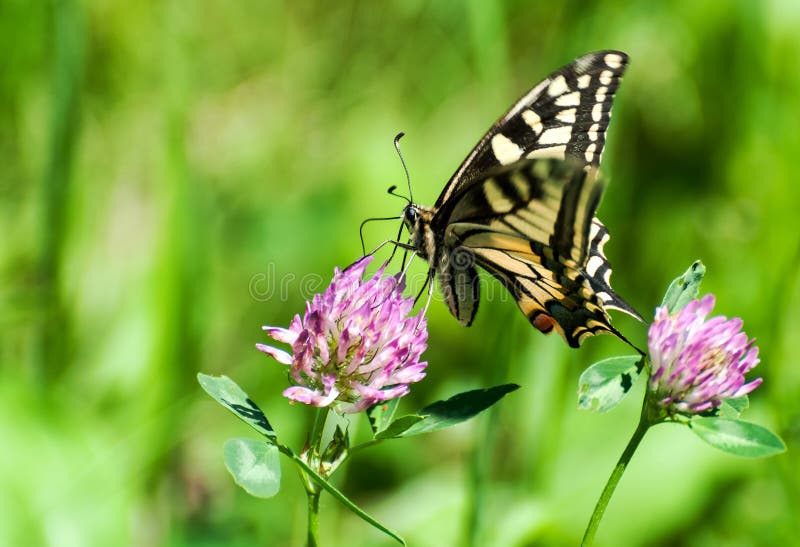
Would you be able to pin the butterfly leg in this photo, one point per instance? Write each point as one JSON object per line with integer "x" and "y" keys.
{"x": 429, "y": 285}
{"x": 405, "y": 256}
{"x": 406, "y": 267}
{"x": 361, "y": 230}
{"x": 400, "y": 279}
{"x": 396, "y": 243}
{"x": 405, "y": 253}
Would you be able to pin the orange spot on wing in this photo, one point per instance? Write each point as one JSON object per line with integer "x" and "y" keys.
{"x": 544, "y": 323}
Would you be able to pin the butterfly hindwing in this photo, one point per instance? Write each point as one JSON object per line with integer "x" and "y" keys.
{"x": 565, "y": 115}
{"x": 531, "y": 225}
{"x": 599, "y": 271}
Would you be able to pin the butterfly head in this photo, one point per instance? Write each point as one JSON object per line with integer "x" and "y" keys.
{"x": 418, "y": 222}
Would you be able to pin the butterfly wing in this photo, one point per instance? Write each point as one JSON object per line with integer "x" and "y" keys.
{"x": 531, "y": 225}
{"x": 460, "y": 282}
{"x": 565, "y": 115}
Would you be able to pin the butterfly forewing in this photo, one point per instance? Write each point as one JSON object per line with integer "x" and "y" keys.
{"x": 566, "y": 115}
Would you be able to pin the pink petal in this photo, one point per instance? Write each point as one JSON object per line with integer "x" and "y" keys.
{"x": 277, "y": 354}
{"x": 281, "y": 335}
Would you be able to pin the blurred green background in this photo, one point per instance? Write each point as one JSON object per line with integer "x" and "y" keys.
{"x": 175, "y": 174}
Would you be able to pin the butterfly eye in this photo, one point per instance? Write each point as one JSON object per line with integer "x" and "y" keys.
{"x": 410, "y": 215}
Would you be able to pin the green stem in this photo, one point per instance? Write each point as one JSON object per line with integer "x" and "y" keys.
{"x": 309, "y": 474}
{"x": 313, "y": 490}
{"x": 315, "y": 439}
{"x": 616, "y": 475}
{"x": 313, "y": 518}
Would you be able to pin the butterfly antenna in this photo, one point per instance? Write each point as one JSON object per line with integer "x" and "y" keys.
{"x": 405, "y": 168}
{"x": 392, "y": 191}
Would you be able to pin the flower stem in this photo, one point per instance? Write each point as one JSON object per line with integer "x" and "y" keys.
{"x": 616, "y": 475}
{"x": 313, "y": 518}
{"x": 318, "y": 428}
{"x": 313, "y": 490}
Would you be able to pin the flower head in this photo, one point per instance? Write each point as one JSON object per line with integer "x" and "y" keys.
{"x": 698, "y": 363}
{"x": 355, "y": 343}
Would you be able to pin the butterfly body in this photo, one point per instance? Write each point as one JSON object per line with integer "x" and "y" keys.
{"x": 522, "y": 206}
{"x": 417, "y": 220}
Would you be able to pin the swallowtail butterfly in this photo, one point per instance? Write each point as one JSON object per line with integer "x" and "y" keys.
{"x": 522, "y": 207}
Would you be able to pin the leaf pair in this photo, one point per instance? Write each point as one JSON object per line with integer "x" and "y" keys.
{"x": 255, "y": 464}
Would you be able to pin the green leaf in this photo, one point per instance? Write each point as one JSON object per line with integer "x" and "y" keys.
{"x": 228, "y": 394}
{"x": 604, "y": 384}
{"x": 333, "y": 491}
{"x": 399, "y": 426}
{"x": 380, "y": 415}
{"x": 684, "y": 288}
{"x": 740, "y": 404}
{"x": 255, "y": 466}
{"x": 737, "y": 437}
{"x": 733, "y": 408}
{"x": 457, "y": 409}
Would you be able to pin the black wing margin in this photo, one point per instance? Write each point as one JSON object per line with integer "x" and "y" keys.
{"x": 565, "y": 115}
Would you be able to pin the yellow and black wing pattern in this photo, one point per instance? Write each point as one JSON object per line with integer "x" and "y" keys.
{"x": 531, "y": 225}
{"x": 565, "y": 115}
{"x": 522, "y": 205}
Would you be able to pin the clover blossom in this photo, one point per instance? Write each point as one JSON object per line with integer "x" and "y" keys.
{"x": 697, "y": 362}
{"x": 355, "y": 344}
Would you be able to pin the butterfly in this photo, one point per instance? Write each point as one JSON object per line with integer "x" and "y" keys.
{"x": 522, "y": 206}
